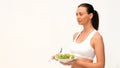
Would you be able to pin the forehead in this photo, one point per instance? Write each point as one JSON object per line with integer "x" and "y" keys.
{"x": 82, "y": 9}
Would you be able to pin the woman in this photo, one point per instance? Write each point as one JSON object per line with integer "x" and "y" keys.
{"x": 87, "y": 43}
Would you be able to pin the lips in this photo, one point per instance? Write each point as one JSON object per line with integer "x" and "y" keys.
{"x": 78, "y": 20}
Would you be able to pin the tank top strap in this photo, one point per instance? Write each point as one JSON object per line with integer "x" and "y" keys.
{"x": 92, "y": 34}
{"x": 77, "y": 36}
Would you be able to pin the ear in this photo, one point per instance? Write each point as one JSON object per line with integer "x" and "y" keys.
{"x": 91, "y": 15}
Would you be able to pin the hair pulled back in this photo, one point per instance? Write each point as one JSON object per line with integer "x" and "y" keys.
{"x": 90, "y": 9}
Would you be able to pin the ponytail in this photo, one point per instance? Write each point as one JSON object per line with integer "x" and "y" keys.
{"x": 95, "y": 20}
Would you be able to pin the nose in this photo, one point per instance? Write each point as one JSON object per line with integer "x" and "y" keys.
{"x": 78, "y": 16}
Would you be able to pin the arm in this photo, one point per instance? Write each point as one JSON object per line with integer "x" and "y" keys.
{"x": 98, "y": 43}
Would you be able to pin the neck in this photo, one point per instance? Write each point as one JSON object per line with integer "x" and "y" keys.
{"x": 88, "y": 27}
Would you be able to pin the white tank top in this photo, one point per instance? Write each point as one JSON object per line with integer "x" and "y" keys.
{"x": 83, "y": 49}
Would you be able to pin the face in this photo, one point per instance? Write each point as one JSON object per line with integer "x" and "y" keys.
{"x": 82, "y": 16}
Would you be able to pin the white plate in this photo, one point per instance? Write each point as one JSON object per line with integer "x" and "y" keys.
{"x": 66, "y": 60}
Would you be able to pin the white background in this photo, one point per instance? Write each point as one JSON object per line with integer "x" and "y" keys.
{"x": 31, "y": 31}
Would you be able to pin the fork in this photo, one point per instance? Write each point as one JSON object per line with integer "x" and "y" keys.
{"x": 58, "y": 53}
{"x": 60, "y": 50}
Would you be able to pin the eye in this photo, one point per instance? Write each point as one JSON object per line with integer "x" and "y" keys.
{"x": 80, "y": 14}
{"x": 76, "y": 14}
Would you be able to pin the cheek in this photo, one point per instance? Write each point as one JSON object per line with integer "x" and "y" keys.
{"x": 82, "y": 20}
{"x": 85, "y": 19}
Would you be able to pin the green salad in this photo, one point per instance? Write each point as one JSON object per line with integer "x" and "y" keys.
{"x": 65, "y": 56}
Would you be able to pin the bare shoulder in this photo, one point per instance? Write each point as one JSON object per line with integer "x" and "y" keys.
{"x": 75, "y": 34}
{"x": 97, "y": 36}
{"x": 97, "y": 39}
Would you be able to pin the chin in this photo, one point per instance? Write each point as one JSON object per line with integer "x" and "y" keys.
{"x": 80, "y": 23}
